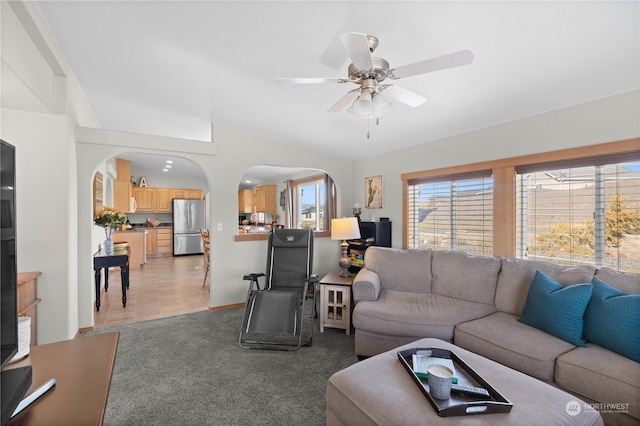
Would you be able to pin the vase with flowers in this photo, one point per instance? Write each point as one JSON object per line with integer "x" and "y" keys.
{"x": 110, "y": 219}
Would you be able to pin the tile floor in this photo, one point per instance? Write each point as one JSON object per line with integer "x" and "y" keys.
{"x": 164, "y": 286}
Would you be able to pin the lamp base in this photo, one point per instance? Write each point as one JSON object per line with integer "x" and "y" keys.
{"x": 344, "y": 262}
{"x": 345, "y": 273}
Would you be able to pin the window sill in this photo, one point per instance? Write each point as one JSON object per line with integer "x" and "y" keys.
{"x": 259, "y": 236}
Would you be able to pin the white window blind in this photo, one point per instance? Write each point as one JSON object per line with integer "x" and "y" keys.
{"x": 451, "y": 215}
{"x": 580, "y": 215}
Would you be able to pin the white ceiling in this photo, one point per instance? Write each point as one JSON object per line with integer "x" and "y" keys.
{"x": 171, "y": 67}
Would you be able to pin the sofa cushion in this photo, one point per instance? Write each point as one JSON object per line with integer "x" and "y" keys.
{"x": 464, "y": 276}
{"x": 626, "y": 282}
{"x": 556, "y": 309}
{"x": 516, "y": 276}
{"x": 601, "y": 375}
{"x": 402, "y": 270}
{"x": 398, "y": 313}
{"x": 612, "y": 320}
{"x": 502, "y": 338}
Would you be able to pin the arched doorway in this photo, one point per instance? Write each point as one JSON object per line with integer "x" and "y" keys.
{"x": 160, "y": 284}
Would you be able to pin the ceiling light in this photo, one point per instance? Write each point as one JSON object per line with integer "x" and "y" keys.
{"x": 168, "y": 166}
{"x": 165, "y": 170}
{"x": 169, "y": 162}
{"x": 367, "y": 105}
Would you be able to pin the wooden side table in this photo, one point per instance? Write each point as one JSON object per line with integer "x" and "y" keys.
{"x": 335, "y": 301}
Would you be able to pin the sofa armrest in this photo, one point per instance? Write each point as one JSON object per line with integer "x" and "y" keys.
{"x": 366, "y": 285}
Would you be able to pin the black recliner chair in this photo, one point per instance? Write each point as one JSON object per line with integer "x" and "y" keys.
{"x": 277, "y": 313}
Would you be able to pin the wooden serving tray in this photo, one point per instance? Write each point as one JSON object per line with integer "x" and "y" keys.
{"x": 459, "y": 404}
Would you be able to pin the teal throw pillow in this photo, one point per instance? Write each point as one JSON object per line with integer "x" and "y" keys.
{"x": 556, "y": 309}
{"x": 612, "y": 320}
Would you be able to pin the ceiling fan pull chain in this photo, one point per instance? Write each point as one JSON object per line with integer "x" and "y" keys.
{"x": 368, "y": 126}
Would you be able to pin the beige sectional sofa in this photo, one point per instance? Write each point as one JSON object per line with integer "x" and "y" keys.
{"x": 475, "y": 302}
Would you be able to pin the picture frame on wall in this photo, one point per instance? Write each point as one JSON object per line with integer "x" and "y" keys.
{"x": 373, "y": 192}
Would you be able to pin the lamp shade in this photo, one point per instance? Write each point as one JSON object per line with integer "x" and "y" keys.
{"x": 345, "y": 228}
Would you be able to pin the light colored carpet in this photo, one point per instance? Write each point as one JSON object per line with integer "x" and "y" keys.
{"x": 190, "y": 370}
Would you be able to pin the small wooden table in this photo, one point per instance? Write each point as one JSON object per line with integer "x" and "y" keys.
{"x": 102, "y": 260}
{"x": 82, "y": 368}
{"x": 335, "y": 301}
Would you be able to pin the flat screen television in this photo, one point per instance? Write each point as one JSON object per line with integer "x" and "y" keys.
{"x": 15, "y": 382}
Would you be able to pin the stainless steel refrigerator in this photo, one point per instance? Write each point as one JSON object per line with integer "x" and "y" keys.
{"x": 188, "y": 218}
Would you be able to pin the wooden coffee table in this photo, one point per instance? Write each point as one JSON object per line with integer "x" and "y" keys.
{"x": 379, "y": 390}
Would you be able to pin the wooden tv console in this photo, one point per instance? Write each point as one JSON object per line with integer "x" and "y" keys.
{"x": 82, "y": 368}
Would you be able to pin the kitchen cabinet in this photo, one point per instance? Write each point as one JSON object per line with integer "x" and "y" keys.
{"x": 164, "y": 242}
{"x": 193, "y": 194}
{"x": 122, "y": 195}
{"x": 122, "y": 186}
{"x": 266, "y": 199}
{"x": 245, "y": 201}
{"x": 163, "y": 200}
{"x": 145, "y": 199}
{"x": 123, "y": 169}
{"x": 152, "y": 238}
{"x": 159, "y": 241}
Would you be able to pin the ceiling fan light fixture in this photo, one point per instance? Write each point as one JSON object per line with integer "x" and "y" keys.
{"x": 362, "y": 105}
{"x": 380, "y": 105}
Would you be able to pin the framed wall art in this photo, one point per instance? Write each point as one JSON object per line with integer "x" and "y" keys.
{"x": 373, "y": 192}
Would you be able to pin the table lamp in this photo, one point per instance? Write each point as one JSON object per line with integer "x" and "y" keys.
{"x": 345, "y": 229}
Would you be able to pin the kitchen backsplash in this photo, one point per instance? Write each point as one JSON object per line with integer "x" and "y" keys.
{"x": 141, "y": 218}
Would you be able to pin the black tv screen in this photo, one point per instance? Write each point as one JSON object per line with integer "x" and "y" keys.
{"x": 8, "y": 275}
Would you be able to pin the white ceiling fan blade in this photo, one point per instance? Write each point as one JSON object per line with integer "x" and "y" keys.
{"x": 357, "y": 47}
{"x": 456, "y": 59}
{"x": 312, "y": 80}
{"x": 403, "y": 95}
{"x": 344, "y": 101}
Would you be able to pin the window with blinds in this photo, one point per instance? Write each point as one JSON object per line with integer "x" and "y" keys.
{"x": 451, "y": 215}
{"x": 580, "y": 215}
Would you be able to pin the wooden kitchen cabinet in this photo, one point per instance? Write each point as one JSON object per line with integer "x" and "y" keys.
{"x": 121, "y": 195}
{"x": 28, "y": 300}
{"x": 163, "y": 200}
{"x": 152, "y": 239}
{"x": 245, "y": 201}
{"x": 145, "y": 199}
{"x": 123, "y": 169}
{"x": 122, "y": 186}
{"x": 164, "y": 242}
{"x": 266, "y": 199}
{"x": 179, "y": 193}
{"x": 194, "y": 194}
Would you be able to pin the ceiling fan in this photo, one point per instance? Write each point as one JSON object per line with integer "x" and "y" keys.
{"x": 371, "y": 73}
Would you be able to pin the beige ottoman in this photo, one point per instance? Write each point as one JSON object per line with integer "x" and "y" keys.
{"x": 380, "y": 391}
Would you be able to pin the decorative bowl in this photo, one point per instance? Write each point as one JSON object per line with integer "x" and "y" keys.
{"x": 120, "y": 246}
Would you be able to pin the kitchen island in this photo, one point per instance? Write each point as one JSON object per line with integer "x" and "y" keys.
{"x": 136, "y": 239}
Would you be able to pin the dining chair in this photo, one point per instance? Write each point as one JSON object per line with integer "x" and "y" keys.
{"x": 205, "y": 243}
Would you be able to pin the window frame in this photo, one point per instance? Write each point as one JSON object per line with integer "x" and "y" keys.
{"x": 504, "y": 179}
{"x": 442, "y": 222}
{"x": 296, "y": 184}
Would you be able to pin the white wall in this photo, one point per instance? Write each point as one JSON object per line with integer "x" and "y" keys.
{"x": 603, "y": 120}
{"x": 40, "y": 108}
